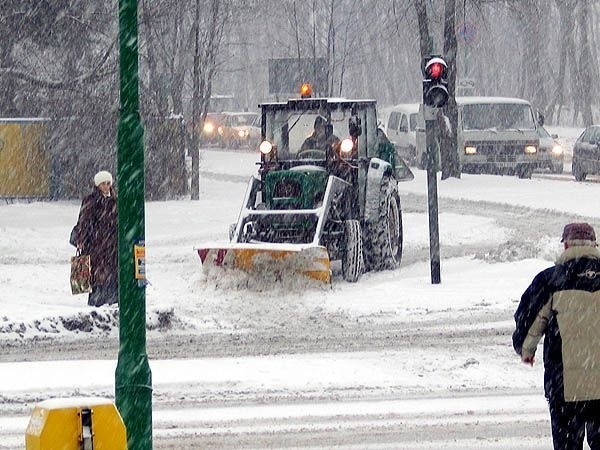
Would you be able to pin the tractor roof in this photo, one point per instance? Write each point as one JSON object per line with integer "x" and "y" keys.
{"x": 317, "y": 103}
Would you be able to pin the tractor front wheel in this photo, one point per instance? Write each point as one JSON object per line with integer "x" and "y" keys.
{"x": 384, "y": 235}
{"x": 352, "y": 259}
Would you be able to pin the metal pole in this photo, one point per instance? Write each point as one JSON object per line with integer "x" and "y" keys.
{"x": 432, "y": 199}
{"x": 133, "y": 379}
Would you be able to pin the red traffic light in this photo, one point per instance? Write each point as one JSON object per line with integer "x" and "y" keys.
{"x": 436, "y": 70}
{"x": 435, "y": 84}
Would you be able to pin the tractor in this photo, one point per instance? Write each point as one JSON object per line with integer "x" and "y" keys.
{"x": 326, "y": 190}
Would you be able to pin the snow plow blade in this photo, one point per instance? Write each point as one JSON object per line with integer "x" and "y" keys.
{"x": 280, "y": 260}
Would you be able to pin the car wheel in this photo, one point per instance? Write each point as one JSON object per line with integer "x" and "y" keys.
{"x": 525, "y": 171}
{"x": 578, "y": 172}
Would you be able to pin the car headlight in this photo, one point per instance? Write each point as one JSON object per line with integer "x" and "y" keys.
{"x": 530, "y": 149}
{"x": 557, "y": 150}
{"x": 265, "y": 147}
{"x": 209, "y": 128}
{"x": 470, "y": 150}
{"x": 242, "y": 133}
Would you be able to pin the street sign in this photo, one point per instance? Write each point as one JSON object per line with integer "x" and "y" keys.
{"x": 286, "y": 75}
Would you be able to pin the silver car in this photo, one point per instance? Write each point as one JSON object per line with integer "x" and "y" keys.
{"x": 549, "y": 146}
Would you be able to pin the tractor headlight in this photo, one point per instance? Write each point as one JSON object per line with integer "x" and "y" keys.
{"x": 470, "y": 150}
{"x": 265, "y": 147}
{"x": 530, "y": 149}
{"x": 557, "y": 150}
{"x": 346, "y": 146}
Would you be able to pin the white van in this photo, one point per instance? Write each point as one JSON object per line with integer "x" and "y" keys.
{"x": 496, "y": 135}
{"x": 401, "y": 123}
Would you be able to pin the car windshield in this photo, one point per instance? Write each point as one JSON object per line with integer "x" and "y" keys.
{"x": 288, "y": 130}
{"x": 591, "y": 135}
{"x": 240, "y": 120}
{"x": 497, "y": 116}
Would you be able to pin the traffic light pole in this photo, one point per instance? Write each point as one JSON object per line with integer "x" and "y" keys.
{"x": 435, "y": 96}
{"x": 432, "y": 197}
{"x": 133, "y": 379}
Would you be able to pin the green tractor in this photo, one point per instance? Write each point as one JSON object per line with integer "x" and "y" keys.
{"x": 326, "y": 190}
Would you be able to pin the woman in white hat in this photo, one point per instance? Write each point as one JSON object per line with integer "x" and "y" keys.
{"x": 96, "y": 235}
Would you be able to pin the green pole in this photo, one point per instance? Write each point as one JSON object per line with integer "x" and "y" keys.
{"x": 133, "y": 379}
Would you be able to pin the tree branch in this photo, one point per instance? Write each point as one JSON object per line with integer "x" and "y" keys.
{"x": 93, "y": 75}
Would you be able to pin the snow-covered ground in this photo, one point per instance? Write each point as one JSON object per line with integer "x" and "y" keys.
{"x": 392, "y": 351}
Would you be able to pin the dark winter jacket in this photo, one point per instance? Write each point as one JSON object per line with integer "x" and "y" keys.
{"x": 97, "y": 236}
{"x": 563, "y": 304}
{"x": 320, "y": 143}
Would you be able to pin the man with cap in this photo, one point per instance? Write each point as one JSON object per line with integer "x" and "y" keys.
{"x": 96, "y": 235}
{"x": 562, "y": 304}
{"x": 322, "y": 137}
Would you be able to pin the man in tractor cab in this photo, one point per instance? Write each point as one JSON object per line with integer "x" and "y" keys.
{"x": 322, "y": 137}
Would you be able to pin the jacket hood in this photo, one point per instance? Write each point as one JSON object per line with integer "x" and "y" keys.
{"x": 578, "y": 252}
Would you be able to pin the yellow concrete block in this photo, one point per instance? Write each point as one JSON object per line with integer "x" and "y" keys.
{"x": 56, "y": 424}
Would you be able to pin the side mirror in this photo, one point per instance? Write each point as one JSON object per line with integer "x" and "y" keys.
{"x": 354, "y": 126}
{"x": 403, "y": 172}
{"x": 541, "y": 118}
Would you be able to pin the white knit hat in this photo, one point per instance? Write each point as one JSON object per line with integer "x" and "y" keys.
{"x": 102, "y": 177}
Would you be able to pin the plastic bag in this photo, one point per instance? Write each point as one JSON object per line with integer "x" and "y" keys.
{"x": 81, "y": 274}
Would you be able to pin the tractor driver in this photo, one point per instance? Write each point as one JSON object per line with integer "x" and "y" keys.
{"x": 321, "y": 138}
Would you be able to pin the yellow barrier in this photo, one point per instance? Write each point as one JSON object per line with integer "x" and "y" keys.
{"x": 78, "y": 423}
{"x": 24, "y": 162}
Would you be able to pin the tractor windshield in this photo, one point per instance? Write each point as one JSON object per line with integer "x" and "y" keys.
{"x": 306, "y": 134}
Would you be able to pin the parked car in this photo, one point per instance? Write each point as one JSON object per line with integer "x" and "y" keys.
{"x": 240, "y": 129}
{"x": 209, "y": 133}
{"x": 586, "y": 153}
{"x": 401, "y": 128}
{"x": 549, "y": 146}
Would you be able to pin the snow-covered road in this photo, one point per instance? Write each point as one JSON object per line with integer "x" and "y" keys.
{"x": 390, "y": 362}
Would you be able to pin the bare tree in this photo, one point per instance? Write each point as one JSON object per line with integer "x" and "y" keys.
{"x": 425, "y": 38}
{"x": 208, "y": 38}
{"x": 39, "y": 41}
{"x": 565, "y": 9}
{"x": 448, "y": 147}
{"x": 585, "y": 61}
{"x": 333, "y": 35}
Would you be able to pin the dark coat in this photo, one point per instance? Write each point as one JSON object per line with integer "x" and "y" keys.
{"x": 97, "y": 236}
{"x": 561, "y": 304}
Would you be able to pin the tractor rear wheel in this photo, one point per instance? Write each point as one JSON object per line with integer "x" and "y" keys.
{"x": 352, "y": 258}
{"x": 384, "y": 236}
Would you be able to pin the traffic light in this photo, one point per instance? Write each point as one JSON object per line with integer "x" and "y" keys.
{"x": 435, "y": 84}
